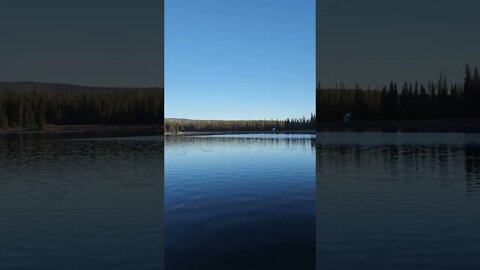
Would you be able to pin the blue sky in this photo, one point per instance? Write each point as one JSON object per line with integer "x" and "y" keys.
{"x": 239, "y": 59}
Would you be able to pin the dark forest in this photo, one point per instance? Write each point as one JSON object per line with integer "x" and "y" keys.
{"x": 34, "y": 105}
{"x": 408, "y": 101}
{"x": 185, "y": 125}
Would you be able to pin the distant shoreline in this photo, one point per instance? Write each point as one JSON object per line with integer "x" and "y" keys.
{"x": 435, "y": 125}
{"x": 193, "y": 133}
{"x": 117, "y": 128}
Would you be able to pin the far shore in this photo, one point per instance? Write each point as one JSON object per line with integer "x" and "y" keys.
{"x": 434, "y": 125}
{"x": 194, "y": 133}
{"x": 437, "y": 125}
{"x": 114, "y": 128}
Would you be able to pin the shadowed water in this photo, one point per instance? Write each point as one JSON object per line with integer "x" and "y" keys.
{"x": 398, "y": 201}
{"x": 240, "y": 202}
{"x": 81, "y": 203}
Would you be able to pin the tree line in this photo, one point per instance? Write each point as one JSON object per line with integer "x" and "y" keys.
{"x": 176, "y": 126}
{"x": 409, "y": 101}
{"x": 36, "y": 105}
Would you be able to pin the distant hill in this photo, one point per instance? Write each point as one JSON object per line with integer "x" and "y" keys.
{"x": 183, "y": 120}
{"x": 62, "y": 87}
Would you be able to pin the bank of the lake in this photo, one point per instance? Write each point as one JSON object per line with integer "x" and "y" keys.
{"x": 433, "y": 125}
{"x": 193, "y": 133}
{"x": 148, "y": 128}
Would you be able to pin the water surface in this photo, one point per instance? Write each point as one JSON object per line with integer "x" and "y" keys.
{"x": 398, "y": 201}
{"x": 81, "y": 203}
{"x": 240, "y": 202}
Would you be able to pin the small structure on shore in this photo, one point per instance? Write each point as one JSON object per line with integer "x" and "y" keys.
{"x": 347, "y": 117}
{"x": 273, "y": 129}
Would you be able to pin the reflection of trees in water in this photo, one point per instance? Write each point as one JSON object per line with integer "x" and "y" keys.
{"x": 23, "y": 148}
{"x": 472, "y": 169}
{"x": 61, "y": 169}
{"x": 95, "y": 157}
{"x": 401, "y": 162}
{"x": 305, "y": 142}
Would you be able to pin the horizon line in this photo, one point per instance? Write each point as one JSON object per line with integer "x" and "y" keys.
{"x": 250, "y": 119}
{"x": 77, "y": 84}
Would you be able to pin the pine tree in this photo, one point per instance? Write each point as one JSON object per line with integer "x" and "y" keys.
{"x": 475, "y": 93}
{"x": 467, "y": 86}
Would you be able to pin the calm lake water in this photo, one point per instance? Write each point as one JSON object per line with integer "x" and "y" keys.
{"x": 398, "y": 201}
{"x": 240, "y": 202}
{"x": 81, "y": 203}
{"x": 382, "y": 201}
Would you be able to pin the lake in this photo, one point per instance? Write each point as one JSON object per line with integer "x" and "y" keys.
{"x": 398, "y": 201}
{"x": 81, "y": 203}
{"x": 249, "y": 201}
{"x": 240, "y": 202}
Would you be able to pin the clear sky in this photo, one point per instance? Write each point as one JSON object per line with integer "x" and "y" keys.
{"x": 371, "y": 42}
{"x": 239, "y": 59}
{"x": 87, "y": 42}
